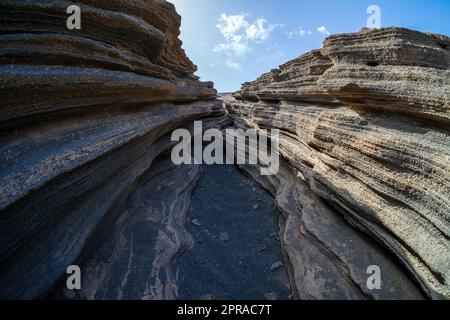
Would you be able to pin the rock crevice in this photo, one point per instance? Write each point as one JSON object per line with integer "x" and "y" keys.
{"x": 85, "y": 176}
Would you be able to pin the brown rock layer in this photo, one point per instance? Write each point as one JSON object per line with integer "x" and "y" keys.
{"x": 85, "y": 177}
{"x": 365, "y": 122}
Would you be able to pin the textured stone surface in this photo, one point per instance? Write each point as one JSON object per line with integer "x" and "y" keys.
{"x": 365, "y": 122}
{"x": 135, "y": 249}
{"x": 328, "y": 258}
{"x": 85, "y": 177}
{"x": 147, "y": 249}
{"x": 83, "y": 115}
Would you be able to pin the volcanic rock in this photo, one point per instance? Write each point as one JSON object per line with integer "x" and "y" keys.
{"x": 83, "y": 115}
{"x": 86, "y": 177}
{"x": 364, "y": 124}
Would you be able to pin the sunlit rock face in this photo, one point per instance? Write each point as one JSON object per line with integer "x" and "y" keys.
{"x": 83, "y": 115}
{"x": 86, "y": 176}
{"x": 364, "y": 122}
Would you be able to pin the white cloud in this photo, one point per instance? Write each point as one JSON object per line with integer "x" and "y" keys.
{"x": 230, "y": 25}
{"x": 258, "y": 31}
{"x": 300, "y": 32}
{"x": 323, "y": 30}
{"x": 233, "y": 65}
{"x": 239, "y": 33}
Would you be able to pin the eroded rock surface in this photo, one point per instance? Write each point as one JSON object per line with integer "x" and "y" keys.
{"x": 364, "y": 122}
{"x": 83, "y": 115}
{"x": 86, "y": 178}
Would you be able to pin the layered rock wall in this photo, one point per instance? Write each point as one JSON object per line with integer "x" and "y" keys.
{"x": 83, "y": 115}
{"x": 364, "y": 121}
{"x": 85, "y": 177}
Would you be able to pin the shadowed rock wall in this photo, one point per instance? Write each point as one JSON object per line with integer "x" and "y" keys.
{"x": 83, "y": 115}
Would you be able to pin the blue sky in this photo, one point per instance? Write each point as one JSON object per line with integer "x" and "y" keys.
{"x": 233, "y": 41}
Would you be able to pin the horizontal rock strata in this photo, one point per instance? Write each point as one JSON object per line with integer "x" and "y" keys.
{"x": 365, "y": 122}
{"x": 86, "y": 178}
{"x": 133, "y": 253}
{"x": 83, "y": 115}
{"x": 328, "y": 258}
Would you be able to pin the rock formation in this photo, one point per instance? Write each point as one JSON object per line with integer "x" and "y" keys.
{"x": 364, "y": 123}
{"x": 85, "y": 176}
{"x": 83, "y": 115}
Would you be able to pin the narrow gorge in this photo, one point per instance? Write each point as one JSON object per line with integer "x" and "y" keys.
{"x": 86, "y": 176}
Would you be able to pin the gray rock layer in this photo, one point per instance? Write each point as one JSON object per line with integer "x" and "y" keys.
{"x": 83, "y": 115}
{"x": 85, "y": 177}
{"x": 365, "y": 122}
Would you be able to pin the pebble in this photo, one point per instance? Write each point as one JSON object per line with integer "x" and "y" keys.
{"x": 208, "y": 296}
{"x": 271, "y": 296}
{"x": 224, "y": 237}
{"x": 69, "y": 294}
{"x": 276, "y": 265}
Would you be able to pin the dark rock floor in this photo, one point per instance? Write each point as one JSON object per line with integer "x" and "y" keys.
{"x": 237, "y": 254}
